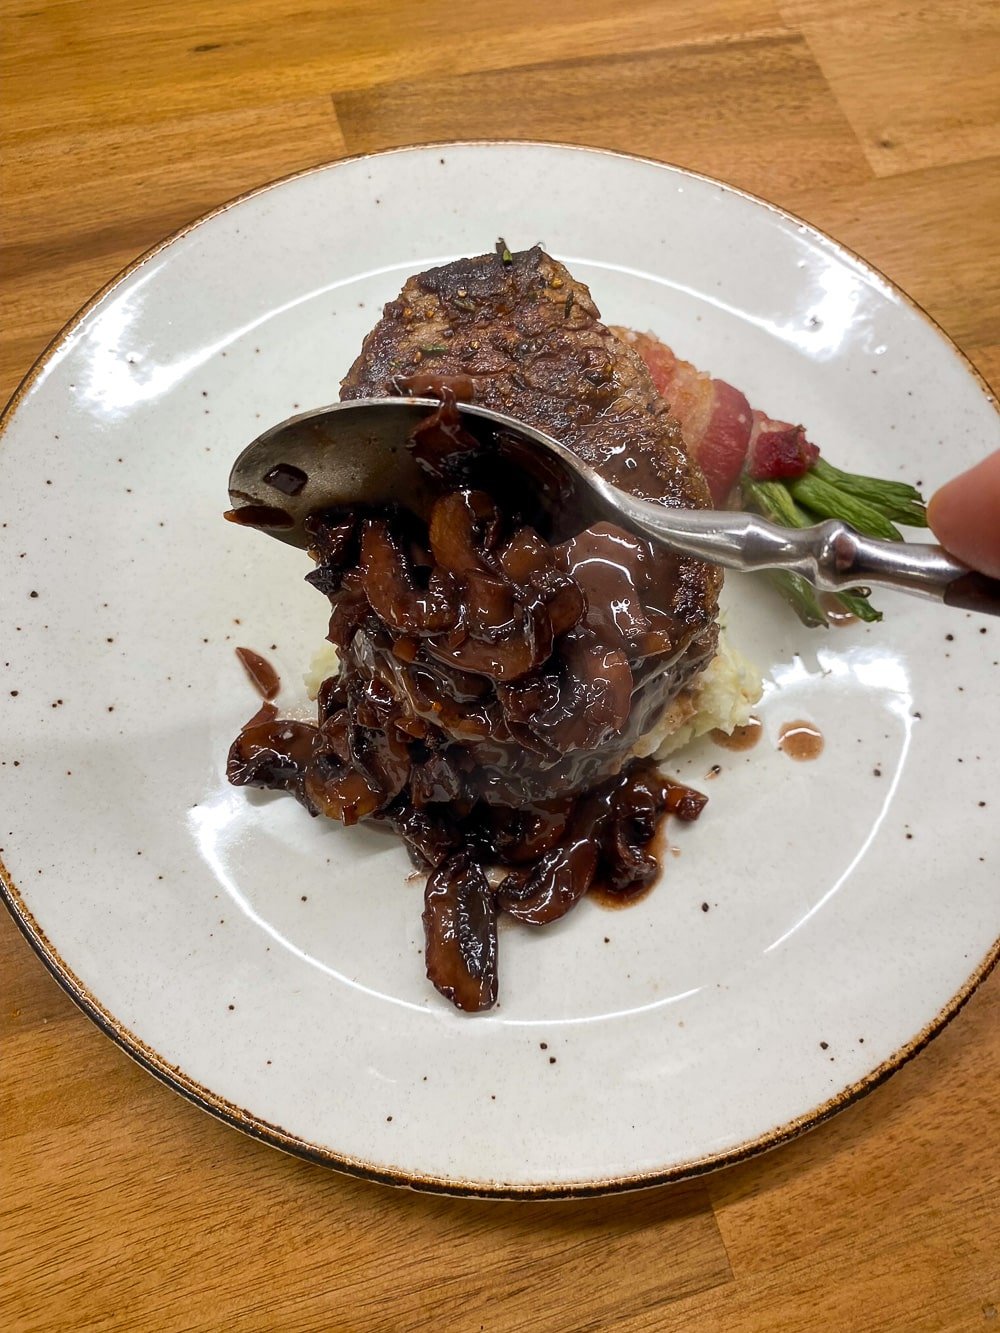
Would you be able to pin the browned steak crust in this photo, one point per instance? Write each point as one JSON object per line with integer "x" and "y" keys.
{"x": 530, "y": 338}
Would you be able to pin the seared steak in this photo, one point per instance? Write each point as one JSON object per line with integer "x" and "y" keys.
{"x": 530, "y": 338}
{"x": 494, "y": 679}
{"x": 526, "y": 338}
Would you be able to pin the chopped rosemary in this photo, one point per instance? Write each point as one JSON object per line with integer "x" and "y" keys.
{"x": 506, "y": 258}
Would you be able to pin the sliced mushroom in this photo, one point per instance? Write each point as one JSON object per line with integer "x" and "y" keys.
{"x": 460, "y": 930}
{"x": 388, "y": 584}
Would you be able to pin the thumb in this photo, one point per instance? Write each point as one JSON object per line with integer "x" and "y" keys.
{"x": 965, "y": 516}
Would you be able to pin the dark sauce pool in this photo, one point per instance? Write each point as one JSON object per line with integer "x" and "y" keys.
{"x": 492, "y": 686}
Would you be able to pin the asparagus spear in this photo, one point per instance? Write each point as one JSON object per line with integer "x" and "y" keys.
{"x": 898, "y": 501}
{"x": 777, "y": 501}
{"x": 828, "y": 501}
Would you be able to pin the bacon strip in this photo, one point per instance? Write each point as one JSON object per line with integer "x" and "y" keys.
{"x": 714, "y": 417}
{"x": 778, "y": 450}
{"x": 721, "y": 431}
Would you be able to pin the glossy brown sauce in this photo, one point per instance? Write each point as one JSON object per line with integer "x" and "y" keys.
{"x": 681, "y": 801}
{"x": 260, "y": 516}
{"x": 262, "y": 674}
{"x": 491, "y": 687}
{"x": 614, "y": 902}
{"x": 430, "y": 384}
{"x": 835, "y": 612}
{"x": 740, "y": 738}
{"x": 286, "y": 478}
{"x": 800, "y": 740}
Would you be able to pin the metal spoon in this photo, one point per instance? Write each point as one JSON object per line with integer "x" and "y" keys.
{"x": 357, "y": 452}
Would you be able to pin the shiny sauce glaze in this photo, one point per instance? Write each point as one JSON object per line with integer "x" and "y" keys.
{"x": 260, "y": 516}
{"x": 662, "y": 797}
{"x": 800, "y": 740}
{"x": 492, "y": 685}
{"x": 286, "y": 478}
{"x": 835, "y": 611}
{"x": 262, "y": 674}
{"x": 740, "y": 738}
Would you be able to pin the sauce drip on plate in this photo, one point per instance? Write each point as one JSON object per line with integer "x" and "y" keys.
{"x": 740, "y": 738}
{"x": 262, "y": 674}
{"x": 836, "y": 613}
{"x": 800, "y": 740}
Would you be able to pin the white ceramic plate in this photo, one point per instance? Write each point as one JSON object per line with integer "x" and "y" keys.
{"x": 268, "y": 965}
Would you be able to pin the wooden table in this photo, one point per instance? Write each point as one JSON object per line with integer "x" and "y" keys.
{"x": 126, "y": 1208}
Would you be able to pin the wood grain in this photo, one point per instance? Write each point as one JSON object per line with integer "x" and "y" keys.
{"x": 662, "y": 103}
{"x": 895, "y": 68}
{"x": 53, "y": 256}
{"x": 123, "y": 1207}
{"x": 933, "y": 232}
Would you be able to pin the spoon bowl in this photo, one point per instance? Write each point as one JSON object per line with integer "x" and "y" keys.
{"x": 357, "y": 452}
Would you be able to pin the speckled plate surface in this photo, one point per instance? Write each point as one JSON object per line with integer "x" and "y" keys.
{"x": 814, "y": 929}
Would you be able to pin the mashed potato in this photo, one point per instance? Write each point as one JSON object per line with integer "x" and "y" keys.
{"x": 719, "y": 699}
{"x": 325, "y": 663}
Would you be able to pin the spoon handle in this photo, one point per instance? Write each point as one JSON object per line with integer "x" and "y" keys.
{"x": 831, "y": 555}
